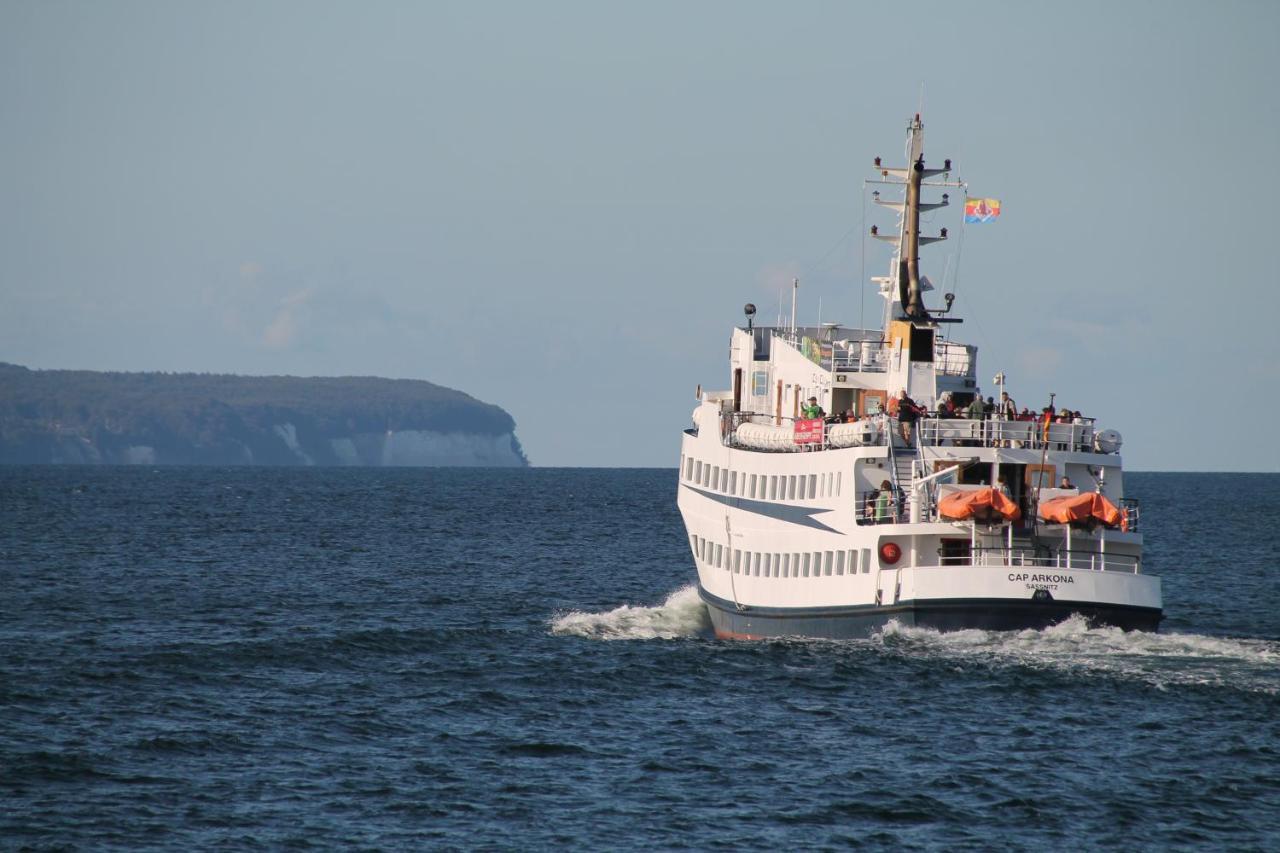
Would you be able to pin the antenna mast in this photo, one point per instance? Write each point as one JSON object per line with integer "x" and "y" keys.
{"x": 795, "y": 291}
{"x": 906, "y": 266}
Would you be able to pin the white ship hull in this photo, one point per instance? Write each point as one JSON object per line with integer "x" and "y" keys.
{"x": 836, "y": 584}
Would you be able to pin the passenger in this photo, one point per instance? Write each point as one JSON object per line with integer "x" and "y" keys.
{"x": 908, "y": 414}
{"x": 989, "y": 407}
{"x": 1003, "y": 486}
{"x": 1065, "y": 483}
{"x": 812, "y": 409}
{"x": 1008, "y": 408}
{"x": 977, "y": 408}
{"x": 885, "y": 505}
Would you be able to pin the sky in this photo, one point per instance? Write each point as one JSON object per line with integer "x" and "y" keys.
{"x": 561, "y": 207}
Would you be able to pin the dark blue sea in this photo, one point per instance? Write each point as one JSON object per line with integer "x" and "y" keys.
{"x": 497, "y": 659}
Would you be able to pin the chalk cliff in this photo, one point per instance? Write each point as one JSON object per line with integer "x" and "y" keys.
{"x": 88, "y": 417}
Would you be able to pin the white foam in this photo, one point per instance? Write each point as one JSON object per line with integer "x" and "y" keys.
{"x": 682, "y": 615}
{"x": 1162, "y": 660}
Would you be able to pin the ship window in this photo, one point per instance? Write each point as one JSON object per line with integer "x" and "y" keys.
{"x": 767, "y": 564}
{"x": 827, "y": 559}
{"x": 837, "y": 492}
{"x": 724, "y": 479}
{"x": 806, "y": 563}
{"x": 755, "y": 564}
{"x": 752, "y": 487}
{"x": 737, "y": 562}
{"x": 733, "y": 482}
{"x": 698, "y": 475}
{"x": 866, "y": 560}
{"x": 693, "y": 543}
{"x": 773, "y": 487}
{"x": 813, "y": 485}
{"x": 839, "y": 562}
{"x": 715, "y": 477}
{"x": 791, "y": 488}
{"x": 719, "y": 555}
{"x": 786, "y": 565}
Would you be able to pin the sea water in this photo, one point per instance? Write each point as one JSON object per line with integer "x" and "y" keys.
{"x": 518, "y": 659}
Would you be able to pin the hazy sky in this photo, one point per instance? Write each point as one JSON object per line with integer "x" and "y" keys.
{"x": 561, "y": 207}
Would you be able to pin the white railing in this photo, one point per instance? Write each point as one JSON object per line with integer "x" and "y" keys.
{"x": 933, "y": 431}
{"x": 1062, "y": 559}
{"x": 951, "y": 359}
{"x": 998, "y": 432}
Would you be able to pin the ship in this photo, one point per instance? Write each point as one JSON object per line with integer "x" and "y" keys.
{"x": 849, "y": 478}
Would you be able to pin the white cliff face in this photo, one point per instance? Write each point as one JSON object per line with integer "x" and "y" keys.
{"x": 425, "y": 448}
{"x": 406, "y": 448}
{"x": 289, "y": 435}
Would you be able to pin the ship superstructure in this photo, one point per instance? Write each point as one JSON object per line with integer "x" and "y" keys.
{"x": 831, "y": 526}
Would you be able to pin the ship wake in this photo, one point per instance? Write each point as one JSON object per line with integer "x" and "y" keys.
{"x": 1162, "y": 660}
{"x": 681, "y": 615}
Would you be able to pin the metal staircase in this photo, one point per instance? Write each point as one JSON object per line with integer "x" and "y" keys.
{"x": 904, "y": 469}
{"x": 902, "y": 464}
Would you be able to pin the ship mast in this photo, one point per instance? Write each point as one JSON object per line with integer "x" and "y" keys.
{"x": 905, "y": 271}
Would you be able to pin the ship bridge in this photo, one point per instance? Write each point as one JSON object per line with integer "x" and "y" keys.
{"x": 850, "y": 371}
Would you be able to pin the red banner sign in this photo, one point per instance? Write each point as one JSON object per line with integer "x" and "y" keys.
{"x": 808, "y": 431}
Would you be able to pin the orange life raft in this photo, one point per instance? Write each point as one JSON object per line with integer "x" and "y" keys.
{"x": 1081, "y": 509}
{"x": 982, "y": 505}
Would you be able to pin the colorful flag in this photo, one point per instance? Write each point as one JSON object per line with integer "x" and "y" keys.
{"x": 981, "y": 209}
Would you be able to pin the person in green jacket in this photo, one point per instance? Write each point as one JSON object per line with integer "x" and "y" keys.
{"x": 885, "y": 503}
{"x": 812, "y": 409}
